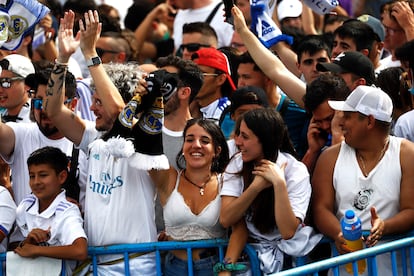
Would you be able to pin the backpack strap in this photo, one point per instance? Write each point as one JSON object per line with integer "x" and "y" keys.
{"x": 213, "y": 13}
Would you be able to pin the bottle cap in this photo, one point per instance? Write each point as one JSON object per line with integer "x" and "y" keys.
{"x": 349, "y": 214}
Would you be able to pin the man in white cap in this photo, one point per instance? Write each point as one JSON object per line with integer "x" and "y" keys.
{"x": 370, "y": 172}
{"x": 289, "y": 13}
{"x": 14, "y": 97}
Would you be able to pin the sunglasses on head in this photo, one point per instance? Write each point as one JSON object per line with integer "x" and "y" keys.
{"x": 7, "y": 82}
{"x": 101, "y": 51}
{"x": 37, "y": 103}
{"x": 193, "y": 47}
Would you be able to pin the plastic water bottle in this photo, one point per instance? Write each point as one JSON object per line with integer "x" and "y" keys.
{"x": 352, "y": 232}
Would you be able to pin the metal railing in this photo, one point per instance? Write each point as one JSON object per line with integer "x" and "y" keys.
{"x": 158, "y": 247}
{"x": 333, "y": 263}
{"x": 400, "y": 245}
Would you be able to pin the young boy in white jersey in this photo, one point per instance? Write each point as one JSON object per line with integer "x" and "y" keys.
{"x": 50, "y": 225}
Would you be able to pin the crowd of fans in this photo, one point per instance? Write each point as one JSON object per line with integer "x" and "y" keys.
{"x": 163, "y": 121}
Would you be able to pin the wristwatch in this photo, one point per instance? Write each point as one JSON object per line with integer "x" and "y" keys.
{"x": 93, "y": 61}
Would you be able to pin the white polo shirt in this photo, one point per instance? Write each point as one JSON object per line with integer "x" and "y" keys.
{"x": 7, "y": 215}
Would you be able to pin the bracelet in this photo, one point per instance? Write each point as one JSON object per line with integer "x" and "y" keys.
{"x": 219, "y": 267}
{"x": 61, "y": 63}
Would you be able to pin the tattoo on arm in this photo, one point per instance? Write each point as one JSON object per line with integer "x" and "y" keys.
{"x": 56, "y": 81}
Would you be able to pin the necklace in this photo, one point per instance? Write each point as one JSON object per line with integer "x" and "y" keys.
{"x": 362, "y": 160}
{"x": 363, "y": 197}
{"x": 202, "y": 186}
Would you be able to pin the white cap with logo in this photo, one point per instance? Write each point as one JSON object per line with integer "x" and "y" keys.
{"x": 18, "y": 64}
{"x": 368, "y": 100}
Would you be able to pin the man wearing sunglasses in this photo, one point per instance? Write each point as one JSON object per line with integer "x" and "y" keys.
{"x": 19, "y": 140}
{"x": 196, "y": 35}
{"x": 113, "y": 47}
{"x": 209, "y": 11}
{"x": 13, "y": 91}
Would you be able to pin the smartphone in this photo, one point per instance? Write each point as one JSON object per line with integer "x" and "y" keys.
{"x": 323, "y": 134}
{"x": 228, "y": 5}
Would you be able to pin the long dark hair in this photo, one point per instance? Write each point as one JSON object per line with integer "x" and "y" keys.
{"x": 268, "y": 125}
{"x": 219, "y": 141}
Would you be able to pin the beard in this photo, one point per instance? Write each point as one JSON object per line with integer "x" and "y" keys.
{"x": 171, "y": 105}
{"x": 47, "y": 130}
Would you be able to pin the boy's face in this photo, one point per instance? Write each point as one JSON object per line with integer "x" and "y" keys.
{"x": 248, "y": 76}
{"x": 344, "y": 44}
{"x": 307, "y": 65}
{"x": 45, "y": 183}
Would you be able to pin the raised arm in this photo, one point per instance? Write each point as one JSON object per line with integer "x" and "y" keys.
{"x": 144, "y": 30}
{"x": 89, "y": 33}
{"x": 268, "y": 62}
{"x": 65, "y": 120}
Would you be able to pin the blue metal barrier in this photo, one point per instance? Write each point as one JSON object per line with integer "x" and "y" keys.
{"x": 309, "y": 269}
{"x": 157, "y": 247}
{"x": 368, "y": 253}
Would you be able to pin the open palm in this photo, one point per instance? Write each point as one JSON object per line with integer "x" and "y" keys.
{"x": 67, "y": 42}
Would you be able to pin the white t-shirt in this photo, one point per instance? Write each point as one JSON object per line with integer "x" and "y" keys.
{"x": 7, "y": 215}
{"x": 387, "y": 62}
{"x": 404, "y": 127}
{"x": 119, "y": 205}
{"x": 299, "y": 192}
{"x": 223, "y": 29}
{"x": 297, "y": 183}
{"x": 28, "y": 138}
{"x": 172, "y": 142}
{"x": 62, "y": 218}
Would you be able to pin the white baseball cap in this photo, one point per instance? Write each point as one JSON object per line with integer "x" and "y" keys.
{"x": 289, "y": 8}
{"x": 368, "y": 100}
{"x": 18, "y": 64}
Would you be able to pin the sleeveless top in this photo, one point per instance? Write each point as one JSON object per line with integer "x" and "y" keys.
{"x": 381, "y": 188}
{"x": 182, "y": 224}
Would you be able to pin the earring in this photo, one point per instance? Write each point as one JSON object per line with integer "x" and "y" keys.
{"x": 181, "y": 161}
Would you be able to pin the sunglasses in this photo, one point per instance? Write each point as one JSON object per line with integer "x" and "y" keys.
{"x": 7, "y": 82}
{"x": 37, "y": 103}
{"x": 101, "y": 51}
{"x": 193, "y": 47}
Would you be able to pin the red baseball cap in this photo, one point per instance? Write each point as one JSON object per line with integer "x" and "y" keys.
{"x": 213, "y": 58}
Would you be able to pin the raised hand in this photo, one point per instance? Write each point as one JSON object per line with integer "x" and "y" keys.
{"x": 90, "y": 31}
{"x": 67, "y": 42}
{"x": 239, "y": 20}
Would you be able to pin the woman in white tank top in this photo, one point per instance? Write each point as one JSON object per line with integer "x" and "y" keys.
{"x": 191, "y": 197}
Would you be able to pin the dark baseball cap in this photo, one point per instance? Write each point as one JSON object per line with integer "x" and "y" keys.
{"x": 248, "y": 95}
{"x": 350, "y": 62}
{"x": 375, "y": 25}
